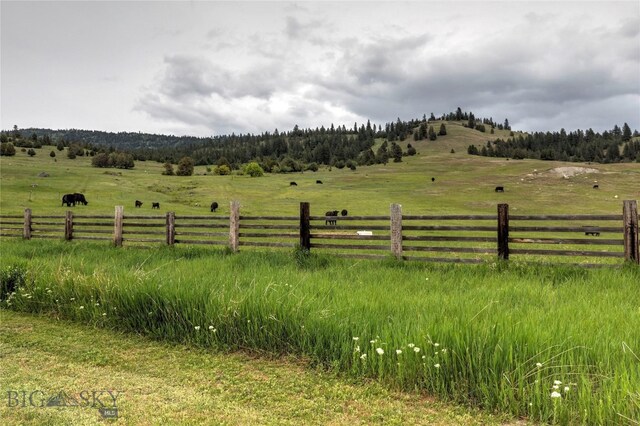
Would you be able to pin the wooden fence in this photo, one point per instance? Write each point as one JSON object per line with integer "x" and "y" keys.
{"x": 600, "y": 239}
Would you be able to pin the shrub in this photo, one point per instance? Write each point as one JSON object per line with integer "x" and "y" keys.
{"x": 222, "y": 170}
{"x": 253, "y": 169}
{"x": 185, "y": 167}
{"x": 11, "y": 278}
{"x": 168, "y": 169}
{"x": 7, "y": 149}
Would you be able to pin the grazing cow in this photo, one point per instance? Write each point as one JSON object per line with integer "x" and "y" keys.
{"x": 331, "y": 218}
{"x": 293, "y": 184}
{"x": 80, "y": 199}
{"x": 69, "y": 200}
{"x": 433, "y": 179}
{"x": 138, "y": 203}
{"x": 499, "y": 188}
{"x": 155, "y": 205}
{"x": 319, "y": 182}
{"x": 214, "y": 206}
{"x": 591, "y": 230}
{"x": 344, "y": 212}
{"x": 595, "y": 186}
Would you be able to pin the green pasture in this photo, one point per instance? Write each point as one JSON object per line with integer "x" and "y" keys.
{"x": 551, "y": 344}
{"x": 464, "y": 185}
{"x": 496, "y": 336}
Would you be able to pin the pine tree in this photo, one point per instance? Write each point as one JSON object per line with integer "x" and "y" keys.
{"x": 626, "y": 133}
{"x": 396, "y": 153}
{"x": 432, "y": 134}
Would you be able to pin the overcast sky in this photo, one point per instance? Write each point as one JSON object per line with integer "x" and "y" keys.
{"x": 207, "y": 68}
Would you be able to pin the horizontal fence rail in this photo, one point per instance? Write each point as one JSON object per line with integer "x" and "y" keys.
{"x": 599, "y": 239}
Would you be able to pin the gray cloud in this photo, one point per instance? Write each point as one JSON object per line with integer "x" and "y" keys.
{"x": 210, "y": 67}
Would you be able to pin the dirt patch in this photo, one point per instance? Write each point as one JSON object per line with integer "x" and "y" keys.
{"x": 567, "y": 172}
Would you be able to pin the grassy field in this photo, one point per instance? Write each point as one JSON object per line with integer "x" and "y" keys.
{"x": 464, "y": 184}
{"x": 507, "y": 338}
{"x": 504, "y": 338}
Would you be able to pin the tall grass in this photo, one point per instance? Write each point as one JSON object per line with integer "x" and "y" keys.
{"x": 502, "y": 337}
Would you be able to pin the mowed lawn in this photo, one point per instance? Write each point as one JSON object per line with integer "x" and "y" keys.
{"x": 161, "y": 383}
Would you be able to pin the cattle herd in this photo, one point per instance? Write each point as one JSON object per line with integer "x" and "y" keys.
{"x": 331, "y": 216}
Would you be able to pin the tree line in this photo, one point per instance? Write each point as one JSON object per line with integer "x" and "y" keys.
{"x": 612, "y": 146}
{"x": 291, "y": 151}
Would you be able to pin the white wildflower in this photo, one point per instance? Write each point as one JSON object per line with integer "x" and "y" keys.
{"x": 557, "y": 382}
{"x": 410, "y": 345}
{"x": 538, "y": 364}
{"x": 357, "y": 348}
{"x": 363, "y": 356}
{"x": 104, "y": 314}
{"x": 380, "y": 351}
{"x": 197, "y": 327}
{"x": 436, "y": 344}
{"x": 566, "y": 388}
{"x": 356, "y": 338}
{"x": 398, "y": 351}
{"x": 436, "y": 365}
{"x": 416, "y": 349}
{"x": 555, "y": 395}
{"x": 81, "y": 307}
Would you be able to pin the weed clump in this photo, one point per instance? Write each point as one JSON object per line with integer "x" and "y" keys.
{"x": 12, "y": 278}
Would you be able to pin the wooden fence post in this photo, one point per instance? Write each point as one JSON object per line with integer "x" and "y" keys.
{"x": 396, "y": 230}
{"x": 26, "y": 230}
{"x": 117, "y": 226}
{"x": 68, "y": 225}
{"x": 630, "y": 219}
{"x": 305, "y": 227}
{"x": 234, "y": 226}
{"x": 171, "y": 228}
{"x": 503, "y": 231}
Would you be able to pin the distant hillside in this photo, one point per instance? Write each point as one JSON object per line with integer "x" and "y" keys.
{"x": 307, "y": 149}
{"x": 294, "y": 150}
{"x": 613, "y": 146}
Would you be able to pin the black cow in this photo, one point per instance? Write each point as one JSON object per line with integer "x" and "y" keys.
{"x": 319, "y": 182}
{"x": 344, "y": 212}
{"x": 499, "y": 188}
{"x": 595, "y": 187}
{"x": 591, "y": 230}
{"x": 69, "y": 200}
{"x": 80, "y": 199}
{"x": 293, "y": 184}
{"x": 155, "y": 205}
{"x": 138, "y": 203}
{"x": 331, "y": 217}
{"x": 214, "y": 206}
{"x": 433, "y": 179}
